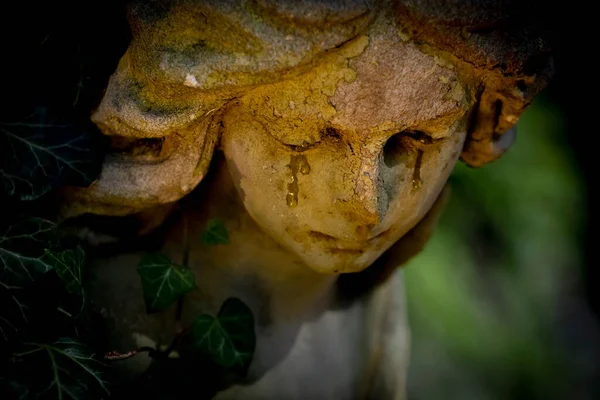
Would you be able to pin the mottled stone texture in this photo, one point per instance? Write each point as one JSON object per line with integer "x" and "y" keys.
{"x": 334, "y": 125}
{"x": 501, "y": 45}
{"x": 190, "y": 59}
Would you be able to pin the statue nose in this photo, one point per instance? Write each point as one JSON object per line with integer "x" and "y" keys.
{"x": 362, "y": 214}
{"x": 369, "y": 200}
{"x": 357, "y": 202}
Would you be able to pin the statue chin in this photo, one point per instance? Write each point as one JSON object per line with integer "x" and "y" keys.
{"x": 336, "y": 126}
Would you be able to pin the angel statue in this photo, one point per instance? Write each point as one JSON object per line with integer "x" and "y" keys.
{"x": 291, "y": 155}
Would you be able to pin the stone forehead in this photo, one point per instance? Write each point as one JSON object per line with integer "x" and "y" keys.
{"x": 399, "y": 87}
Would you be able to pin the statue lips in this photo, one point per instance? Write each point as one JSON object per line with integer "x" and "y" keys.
{"x": 342, "y": 245}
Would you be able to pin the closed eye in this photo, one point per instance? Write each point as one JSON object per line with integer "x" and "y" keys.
{"x": 142, "y": 149}
{"x": 418, "y": 136}
{"x": 399, "y": 145}
{"x": 328, "y": 133}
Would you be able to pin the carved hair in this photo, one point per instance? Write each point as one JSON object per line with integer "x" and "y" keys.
{"x": 501, "y": 45}
{"x": 498, "y": 47}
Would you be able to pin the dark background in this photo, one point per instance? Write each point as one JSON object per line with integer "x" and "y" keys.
{"x": 503, "y": 303}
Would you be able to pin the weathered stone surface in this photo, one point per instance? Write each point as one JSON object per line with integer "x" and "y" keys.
{"x": 189, "y": 58}
{"x": 349, "y": 205}
{"x": 335, "y": 126}
{"x": 500, "y": 45}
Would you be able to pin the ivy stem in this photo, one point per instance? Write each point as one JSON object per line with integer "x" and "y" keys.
{"x": 116, "y": 356}
{"x": 185, "y": 263}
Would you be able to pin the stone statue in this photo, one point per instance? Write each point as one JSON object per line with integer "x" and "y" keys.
{"x": 322, "y": 133}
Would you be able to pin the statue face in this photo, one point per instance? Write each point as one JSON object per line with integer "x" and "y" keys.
{"x": 339, "y": 163}
{"x": 336, "y": 161}
{"x": 339, "y": 142}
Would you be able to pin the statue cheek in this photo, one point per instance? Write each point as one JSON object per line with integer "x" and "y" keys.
{"x": 257, "y": 163}
{"x": 425, "y": 179}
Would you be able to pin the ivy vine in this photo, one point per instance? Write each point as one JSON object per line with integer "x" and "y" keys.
{"x": 51, "y": 342}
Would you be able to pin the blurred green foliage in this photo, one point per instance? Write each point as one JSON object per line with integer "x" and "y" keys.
{"x": 487, "y": 295}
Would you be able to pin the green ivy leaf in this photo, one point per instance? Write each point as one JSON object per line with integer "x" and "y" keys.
{"x": 229, "y": 339}
{"x": 28, "y": 250}
{"x": 67, "y": 368}
{"x": 215, "y": 233}
{"x": 69, "y": 264}
{"x": 163, "y": 282}
{"x": 39, "y": 154}
{"x": 22, "y": 250}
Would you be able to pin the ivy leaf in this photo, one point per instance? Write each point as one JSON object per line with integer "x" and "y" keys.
{"x": 67, "y": 368}
{"x": 40, "y": 153}
{"x": 22, "y": 246}
{"x": 69, "y": 264}
{"x": 215, "y": 233}
{"x": 163, "y": 282}
{"x": 229, "y": 339}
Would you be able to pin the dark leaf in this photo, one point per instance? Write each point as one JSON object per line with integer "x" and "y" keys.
{"x": 65, "y": 369}
{"x": 22, "y": 250}
{"x": 69, "y": 264}
{"x": 229, "y": 339}
{"x": 40, "y": 153}
{"x": 24, "y": 260}
{"x": 163, "y": 282}
{"x": 215, "y": 233}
